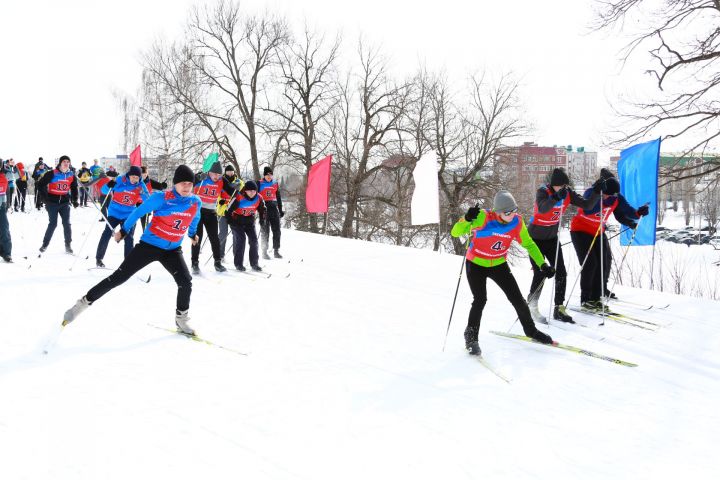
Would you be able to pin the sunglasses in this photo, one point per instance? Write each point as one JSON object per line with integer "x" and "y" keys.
{"x": 510, "y": 212}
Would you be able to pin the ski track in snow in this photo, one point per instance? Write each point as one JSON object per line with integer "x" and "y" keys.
{"x": 345, "y": 377}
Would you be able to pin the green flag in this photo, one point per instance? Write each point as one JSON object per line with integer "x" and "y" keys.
{"x": 209, "y": 160}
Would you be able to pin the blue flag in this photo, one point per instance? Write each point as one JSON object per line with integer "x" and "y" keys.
{"x": 638, "y": 175}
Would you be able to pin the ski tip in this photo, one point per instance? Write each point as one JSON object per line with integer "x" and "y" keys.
{"x": 554, "y": 343}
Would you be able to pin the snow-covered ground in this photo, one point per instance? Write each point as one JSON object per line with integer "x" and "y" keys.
{"x": 344, "y": 377}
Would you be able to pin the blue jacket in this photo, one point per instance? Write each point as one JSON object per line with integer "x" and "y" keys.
{"x": 173, "y": 217}
{"x": 125, "y": 196}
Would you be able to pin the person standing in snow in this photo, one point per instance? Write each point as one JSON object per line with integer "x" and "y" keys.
{"x": 551, "y": 201}
{"x": 237, "y": 184}
{"x": 21, "y": 184}
{"x": 38, "y": 171}
{"x": 212, "y": 189}
{"x": 85, "y": 178}
{"x": 126, "y": 192}
{"x": 268, "y": 189}
{"x": 11, "y": 175}
{"x": 491, "y": 234}
{"x": 587, "y": 225}
{"x": 176, "y": 213}
{"x": 241, "y": 213}
{"x": 60, "y": 191}
{"x": 5, "y": 239}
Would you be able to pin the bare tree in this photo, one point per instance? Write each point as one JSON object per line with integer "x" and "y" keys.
{"x": 682, "y": 40}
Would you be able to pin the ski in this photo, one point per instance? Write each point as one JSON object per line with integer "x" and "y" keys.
{"x": 492, "y": 369}
{"x": 641, "y": 306}
{"x": 569, "y": 348}
{"x": 619, "y": 318}
{"x": 198, "y": 339}
{"x": 251, "y": 273}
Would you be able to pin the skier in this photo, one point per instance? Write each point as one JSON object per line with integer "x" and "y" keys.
{"x": 585, "y": 227}
{"x": 268, "y": 190}
{"x": 96, "y": 170}
{"x": 237, "y": 184}
{"x": 85, "y": 177}
{"x": 210, "y": 188}
{"x": 11, "y": 174}
{"x": 551, "y": 201}
{"x": 241, "y": 213}
{"x": 59, "y": 187}
{"x": 126, "y": 192}
{"x": 38, "y": 171}
{"x": 151, "y": 185}
{"x": 21, "y": 184}
{"x": 176, "y": 213}
{"x": 492, "y": 233}
{"x": 5, "y": 239}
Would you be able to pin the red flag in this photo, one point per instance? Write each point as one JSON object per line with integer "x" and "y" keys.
{"x": 317, "y": 195}
{"x": 136, "y": 158}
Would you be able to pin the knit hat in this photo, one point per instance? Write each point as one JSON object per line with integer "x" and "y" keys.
{"x": 559, "y": 177}
{"x": 229, "y": 168}
{"x": 605, "y": 173}
{"x": 111, "y": 173}
{"x": 250, "y": 185}
{"x": 135, "y": 170}
{"x": 504, "y": 202}
{"x": 64, "y": 157}
{"x": 183, "y": 174}
{"x": 610, "y": 186}
{"x": 267, "y": 170}
{"x": 216, "y": 168}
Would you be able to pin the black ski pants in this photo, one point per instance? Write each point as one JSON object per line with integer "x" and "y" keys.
{"x": 20, "y": 196}
{"x": 208, "y": 220}
{"x": 272, "y": 221}
{"x": 547, "y": 247}
{"x": 55, "y": 209}
{"x": 591, "y": 285}
{"x": 142, "y": 255}
{"x": 500, "y": 274}
{"x": 240, "y": 231}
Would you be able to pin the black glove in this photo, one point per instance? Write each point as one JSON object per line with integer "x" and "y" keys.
{"x": 222, "y": 201}
{"x": 282, "y": 214}
{"x": 642, "y": 211}
{"x": 472, "y": 213}
{"x": 633, "y": 225}
{"x": 75, "y": 204}
{"x": 111, "y": 184}
{"x": 560, "y": 194}
{"x": 547, "y": 270}
{"x": 597, "y": 186}
{"x": 163, "y": 185}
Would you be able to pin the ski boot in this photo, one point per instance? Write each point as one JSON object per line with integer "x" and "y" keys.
{"x": 79, "y": 307}
{"x": 277, "y": 253}
{"x": 539, "y": 336}
{"x": 240, "y": 268}
{"x": 219, "y": 266}
{"x": 195, "y": 268}
{"x": 7, "y": 258}
{"x": 43, "y": 248}
{"x": 68, "y": 249}
{"x": 256, "y": 268}
{"x": 592, "y": 306}
{"x": 561, "y": 314}
{"x": 181, "y": 320}
{"x": 471, "y": 340}
{"x": 265, "y": 255}
{"x": 535, "y": 312}
{"x": 99, "y": 263}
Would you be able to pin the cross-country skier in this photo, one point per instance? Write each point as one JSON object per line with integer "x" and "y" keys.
{"x": 5, "y": 239}
{"x": 491, "y": 234}
{"x": 268, "y": 189}
{"x": 211, "y": 188}
{"x": 237, "y": 184}
{"x": 551, "y": 201}
{"x": 176, "y": 214}
{"x": 126, "y": 192}
{"x": 585, "y": 229}
{"x": 60, "y": 188}
{"x": 241, "y": 216}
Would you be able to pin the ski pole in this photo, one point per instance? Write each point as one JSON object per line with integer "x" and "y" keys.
{"x": 557, "y": 251}
{"x": 532, "y": 297}
{"x": 457, "y": 288}
{"x": 87, "y": 235}
{"x": 627, "y": 249}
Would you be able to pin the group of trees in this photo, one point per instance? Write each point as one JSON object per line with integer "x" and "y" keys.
{"x": 249, "y": 87}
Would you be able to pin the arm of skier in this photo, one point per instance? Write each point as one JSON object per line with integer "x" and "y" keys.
{"x": 196, "y": 219}
{"x": 463, "y": 227}
{"x": 153, "y": 203}
{"x": 544, "y": 200}
{"x": 587, "y": 201}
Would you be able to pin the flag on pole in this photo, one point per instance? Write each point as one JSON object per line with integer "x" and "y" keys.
{"x": 638, "y": 175}
{"x": 136, "y": 157}
{"x": 425, "y": 204}
{"x": 317, "y": 195}
{"x": 209, "y": 160}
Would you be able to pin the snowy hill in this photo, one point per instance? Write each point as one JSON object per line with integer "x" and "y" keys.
{"x": 344, "y": 375}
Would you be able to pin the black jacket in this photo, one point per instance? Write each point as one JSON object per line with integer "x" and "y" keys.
{"x": 545, "y": 198}
{"x": 42, "y": 185}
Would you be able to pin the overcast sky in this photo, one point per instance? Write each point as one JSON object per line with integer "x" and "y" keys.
{"x": 61, "y": 59}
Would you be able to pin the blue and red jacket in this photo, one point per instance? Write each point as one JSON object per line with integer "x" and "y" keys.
{"x": 242, "y": 209}
{"x": 174, "y": 216}
{"x": 269, "y": 191}
{"x": 125, "y": 197}
{"x": 60, "y": 187}
{"x": 589, "y": 220}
